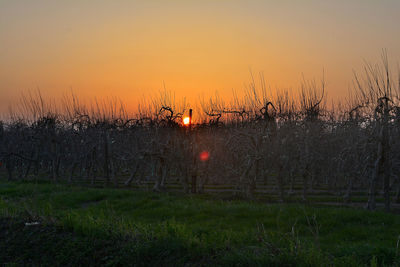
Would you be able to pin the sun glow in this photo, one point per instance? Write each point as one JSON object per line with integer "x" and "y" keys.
{"x": 186, "y": 120}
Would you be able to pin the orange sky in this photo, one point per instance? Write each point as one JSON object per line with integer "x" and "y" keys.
{"x": 128, "y": 49}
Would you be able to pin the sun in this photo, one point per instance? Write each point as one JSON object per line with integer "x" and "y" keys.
{"x": 186, "y": 120}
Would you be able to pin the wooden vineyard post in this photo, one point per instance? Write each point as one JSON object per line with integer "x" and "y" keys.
{"x": 106, "y": 159}
{"x": 190, "y": 119}
{"x": 194, "y": 182}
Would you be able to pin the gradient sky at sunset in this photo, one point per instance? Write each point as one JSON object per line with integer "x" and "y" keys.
{"x": 129, "y": 49}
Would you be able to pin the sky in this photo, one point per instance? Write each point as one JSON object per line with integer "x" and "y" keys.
{"x": 132, "y": 49}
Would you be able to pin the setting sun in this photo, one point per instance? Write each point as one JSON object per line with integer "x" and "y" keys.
{"x": 186, "y": 120}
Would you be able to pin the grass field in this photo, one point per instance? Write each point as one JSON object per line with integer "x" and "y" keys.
{"x": 48, "y": 224}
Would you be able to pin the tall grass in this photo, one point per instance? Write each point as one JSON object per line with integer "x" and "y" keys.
{"x": 78, "y": 224}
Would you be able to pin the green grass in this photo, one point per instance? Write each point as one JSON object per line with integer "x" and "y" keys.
{"x": 115, "y": 226}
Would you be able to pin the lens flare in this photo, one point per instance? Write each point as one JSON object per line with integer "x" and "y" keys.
{"x": 186, "y": 120}
{"x": 204, "y": 156}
